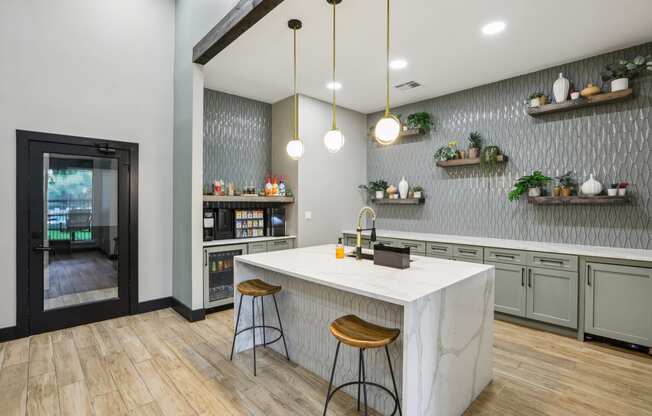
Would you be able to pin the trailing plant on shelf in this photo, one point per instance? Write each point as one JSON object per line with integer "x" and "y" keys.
{"x": 375, "y": 188}
{"x": 526, "y": 183}
{"x": 566, "y": 182}
{"x": 489, "y": 157}
{"x": 626, "y": 68}
{"x": 448, "y": 152}
{"x": 475, "y": 144}
{"x": 420, "y": 120}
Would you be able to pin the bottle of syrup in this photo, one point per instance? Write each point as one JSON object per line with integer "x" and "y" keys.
{"x": 268, "y": 186}
{"x": 275, "y": 186}
{"x": 339, "y": 249}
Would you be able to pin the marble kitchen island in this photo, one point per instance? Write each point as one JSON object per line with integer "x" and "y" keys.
{"x": 444, "y": 309}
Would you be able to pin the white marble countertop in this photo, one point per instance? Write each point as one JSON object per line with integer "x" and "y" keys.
{"x": 318, "y": 264}
{"x": 244, "y": 240}
{"x": 575, "y": 249}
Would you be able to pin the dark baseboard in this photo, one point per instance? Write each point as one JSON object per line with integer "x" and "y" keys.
{"x": 219, "y": 308}
{"x": 186, "y": 312}
{"x": 154, "y": 305}
{"x": 10, "y": 333}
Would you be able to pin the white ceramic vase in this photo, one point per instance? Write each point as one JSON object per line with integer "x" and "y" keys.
{"x": 619, "y": 84}
{"x": 612, "y": 191}
{"x": 591, "y": 187}
{"x": 403, "y": 188}
{"x": 380, "y": 194}
{"x": 561, "y": 88}
{"x": 417, "y": 194}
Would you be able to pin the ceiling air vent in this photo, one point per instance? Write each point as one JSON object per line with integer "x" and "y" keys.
{"x": 407, "y": 86}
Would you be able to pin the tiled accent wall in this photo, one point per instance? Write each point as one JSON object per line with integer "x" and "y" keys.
{"x": 611, "y": 141}
{"x": 237, "y": 139}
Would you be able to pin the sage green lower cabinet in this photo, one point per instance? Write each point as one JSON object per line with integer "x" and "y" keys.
{"x": 552, "y": 296}
{"x": 258, "y": 247}
{"x": 618, "y": 303}
{"x": 510, "y": 289}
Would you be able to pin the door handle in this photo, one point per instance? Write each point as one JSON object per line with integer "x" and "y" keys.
{"x": 523, "y": 276}
{"x": 529, "y": 278}
{"x": 588, "y": 275}
{"x": 205, "y": 258}
{"x": 42, "y": 249}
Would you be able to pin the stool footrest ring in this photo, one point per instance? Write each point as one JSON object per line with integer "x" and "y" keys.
{"x": 260, "y": 327}
{"x": 368, "y": 383}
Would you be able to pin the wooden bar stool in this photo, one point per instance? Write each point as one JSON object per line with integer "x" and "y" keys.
{"x": 256, "y": 288}
{"x": 357, "y": 333}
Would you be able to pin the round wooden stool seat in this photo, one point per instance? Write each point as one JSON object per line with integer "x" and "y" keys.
{"x": 358, "y": 333}
{"x": 256, "y": 287}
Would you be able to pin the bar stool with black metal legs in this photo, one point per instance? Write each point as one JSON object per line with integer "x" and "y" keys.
{"x": 257, "y": 288}
{"x": 363, "y": 335}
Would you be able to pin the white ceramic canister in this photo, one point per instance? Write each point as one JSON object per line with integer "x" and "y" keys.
{"x": 561, "y": 88}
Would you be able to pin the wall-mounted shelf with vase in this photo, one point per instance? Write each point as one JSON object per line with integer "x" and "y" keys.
{"x": 398, "y": 201}
{"x": 580, "y": 200}
{"x": 250, "y": 198}
{"x": 467, "y": 162}
{"x": 598, "y": 99}
{"x": 404, "y": 133}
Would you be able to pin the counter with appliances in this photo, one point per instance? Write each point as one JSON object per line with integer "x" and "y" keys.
{"x": 444, "y": 310}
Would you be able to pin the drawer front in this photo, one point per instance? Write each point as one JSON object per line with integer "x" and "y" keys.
{"x": 499, "y": 255}
{"x": 260, "y": 247}
{"x": 416, "y": 247}
{"x": 468, "y": 252}
{"x": 554, "y": 261}
{"x": 279, "y": 245}
{"x": 440, "y": 250}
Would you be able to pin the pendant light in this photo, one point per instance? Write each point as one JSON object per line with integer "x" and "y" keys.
{"x": 334, "y": 139}
{"x": 295, "y": 146}
{"x": 388, "y": 128}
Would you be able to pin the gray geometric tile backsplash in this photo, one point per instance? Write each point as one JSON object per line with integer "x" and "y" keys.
{"x": 611, "y": 141}
{"x": 237, "y": 139}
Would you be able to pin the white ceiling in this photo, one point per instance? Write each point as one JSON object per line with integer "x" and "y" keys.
{"x": 440, "y": 39}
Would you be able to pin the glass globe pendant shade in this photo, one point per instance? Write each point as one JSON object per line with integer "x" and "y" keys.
{"x": 334, "y": 140}
{"x": 387, "y": 129}
{"x": 295, "y": 149}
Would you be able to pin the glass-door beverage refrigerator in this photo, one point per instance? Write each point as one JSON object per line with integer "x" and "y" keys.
{"x": 218, "y": 274}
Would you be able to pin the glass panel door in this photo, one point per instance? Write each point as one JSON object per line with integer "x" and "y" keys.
{"x": 220, "y": 275}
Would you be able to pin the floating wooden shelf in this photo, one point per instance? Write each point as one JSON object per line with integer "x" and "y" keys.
{"x": 580, "y": 200}
{"x": 404, "y": 133}
{"x": 250, "y": 198}
{"x": 467, "y": 162}
{"x": 408, "y": 201}
{"x": 599, "y": 99}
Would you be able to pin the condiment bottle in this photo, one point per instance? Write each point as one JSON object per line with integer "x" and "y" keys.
{"x": 339, "y": 249}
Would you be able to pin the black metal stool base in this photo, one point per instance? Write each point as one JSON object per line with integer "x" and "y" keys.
{"x": 362, "y": 381}
{"x": 253, "y": 328}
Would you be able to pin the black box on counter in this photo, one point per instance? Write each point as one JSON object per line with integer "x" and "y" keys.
{"x": 396, "y": 257}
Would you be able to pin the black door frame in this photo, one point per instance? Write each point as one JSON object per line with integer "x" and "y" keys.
{"x": 23, "y": 239}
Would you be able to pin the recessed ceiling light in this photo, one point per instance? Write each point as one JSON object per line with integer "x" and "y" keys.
{"x": 398, "y": 64}
{"x": 333, "y": 85}
{"x": 493, "y": 28}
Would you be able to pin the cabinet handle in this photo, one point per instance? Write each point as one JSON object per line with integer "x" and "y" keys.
{"x": 523, "y": 276}
{"x": 205, "y": 258}
{"x": 438, "y": 248}
{"x": 411, "y": 245}
{"x": 474, "y": 252}
{"x": 560, "y": 262}
{"x": 588, "y": 275}
{"x": 504, "y": 256}
{"x": 529, "y": 278}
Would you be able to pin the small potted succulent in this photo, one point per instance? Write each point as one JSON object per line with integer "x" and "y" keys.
{"x": 537, "y": 99}
{"x": 376, "y": 188}
{"x": 417, "y": 192}
{"x": 475, "y": 144}
{"x": 531, "y": 184}
{"x": 621, "y": 72}
{"x": 622, "y": 188}
{"x": 612, "y": 190}
{"x": 566, "y": 183}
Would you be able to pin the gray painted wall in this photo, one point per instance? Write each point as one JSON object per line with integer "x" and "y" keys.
{"x": 237, "y": 139}
{"x": 612, "y": 141}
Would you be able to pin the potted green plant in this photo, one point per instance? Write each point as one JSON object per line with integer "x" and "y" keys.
{"x": 612, "y": 190}
{"x": 622, "y": 188}
{"x": 420, "y": 120}
{"x": 448, "y": 152}
{"x": 376, "y": 188}
{"x": 621, "y": 72}
{"x": 537, "y": 99}
{"x": 489, "y": 156}
{"x": 530, "y": 183}
{"x": 566, "y": 182}
{"x": 475, "y": 144}
{"x": 417, "y": 192}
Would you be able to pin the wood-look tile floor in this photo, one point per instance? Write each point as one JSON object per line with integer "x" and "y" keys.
{"x": 159, "y": 364}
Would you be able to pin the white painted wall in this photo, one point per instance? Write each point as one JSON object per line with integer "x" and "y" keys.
{"x": 98, "y": 69}
{"x": 325, "y": 184}
{"x": 194, "y": 18}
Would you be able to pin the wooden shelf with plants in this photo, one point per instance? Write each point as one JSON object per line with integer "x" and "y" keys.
{"x": 250, "y": 198}
{"x": 467, "y": 162}
{"x": 407, "y": 201}
{"x": 598, "y": 99}
{"x": 580, "y": 200}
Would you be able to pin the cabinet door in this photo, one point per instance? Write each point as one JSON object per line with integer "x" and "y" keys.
{"x": 510, "y": 289}
{"x": 259, "y": 247}
{"x": 619, "y": 303}
{"x": 277, "y": 245}
{"x": 552, "y": 296}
